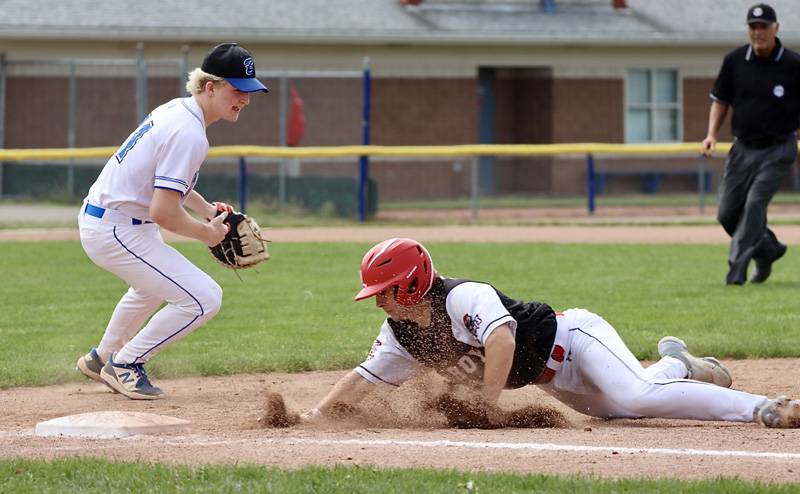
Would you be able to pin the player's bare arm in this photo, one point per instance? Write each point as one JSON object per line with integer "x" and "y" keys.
{"x": 167, "y": 211}
{"x": 350, "y": 390}
{"x": 197, "y": 203}
{"x": 716, "y": 116}
{"x": 499, "y": 357}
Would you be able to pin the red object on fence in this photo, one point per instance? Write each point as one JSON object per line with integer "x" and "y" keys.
{"x": 297, "y": 120}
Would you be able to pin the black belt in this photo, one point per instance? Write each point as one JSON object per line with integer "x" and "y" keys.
{"x": 765, "y": 142}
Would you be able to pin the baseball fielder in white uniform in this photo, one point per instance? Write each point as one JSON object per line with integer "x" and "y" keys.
{"x": 471, "y": 332}
{"x": 143, "y": 187}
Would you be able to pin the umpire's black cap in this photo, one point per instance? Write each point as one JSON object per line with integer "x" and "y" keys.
{"x": 234, "y": 64}
{"x": 761, "y": 14}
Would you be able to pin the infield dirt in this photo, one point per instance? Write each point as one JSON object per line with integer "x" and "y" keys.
{"x": 224, "y": 413}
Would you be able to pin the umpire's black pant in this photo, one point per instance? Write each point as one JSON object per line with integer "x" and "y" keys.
{"x": 751, "y": 178}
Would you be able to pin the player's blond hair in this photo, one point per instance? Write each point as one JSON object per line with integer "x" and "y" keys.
{"x": 197, "y": 81}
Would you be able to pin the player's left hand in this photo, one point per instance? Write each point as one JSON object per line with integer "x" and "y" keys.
{"x": 310, "y": 416}
{"x": 243, "y": 246}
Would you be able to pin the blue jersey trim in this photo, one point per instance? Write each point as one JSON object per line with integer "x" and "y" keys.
{"x": 170, "y": 179}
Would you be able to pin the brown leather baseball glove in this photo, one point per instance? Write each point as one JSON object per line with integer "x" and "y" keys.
{"x": 243, "y": 246}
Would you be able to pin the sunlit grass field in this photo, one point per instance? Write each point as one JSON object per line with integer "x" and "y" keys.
{"x": 296, "y": 313}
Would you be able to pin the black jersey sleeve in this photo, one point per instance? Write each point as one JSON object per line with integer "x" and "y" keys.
{"x": 723, "y": 89}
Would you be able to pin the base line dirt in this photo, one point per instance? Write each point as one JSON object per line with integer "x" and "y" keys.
{"x": 224, "y": 412}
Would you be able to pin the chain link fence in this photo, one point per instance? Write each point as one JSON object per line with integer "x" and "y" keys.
{"x": 84, "y": 102}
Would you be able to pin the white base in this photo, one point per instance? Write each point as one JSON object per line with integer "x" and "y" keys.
{"x": 109, "y": 424}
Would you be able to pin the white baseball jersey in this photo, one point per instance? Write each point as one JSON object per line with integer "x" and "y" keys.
{"x": 475, "y": 311}
{"x": 165, "y": 151}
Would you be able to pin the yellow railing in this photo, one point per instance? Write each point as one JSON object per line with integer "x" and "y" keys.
{"x": 464, "y": 150}
{"x": 398, "y": 151}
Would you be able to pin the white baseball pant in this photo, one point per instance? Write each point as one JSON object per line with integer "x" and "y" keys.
{"x": 156, "y": 273}
{"x": 602, "y": 378}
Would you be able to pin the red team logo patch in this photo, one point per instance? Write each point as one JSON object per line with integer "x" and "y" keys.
{"x": 558, "y": 353}
{"x": 472, "y": 323}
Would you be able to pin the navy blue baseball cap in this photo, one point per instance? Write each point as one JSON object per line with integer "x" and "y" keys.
{"x": 234, "y": 64}
{"x": 761, "y": 14}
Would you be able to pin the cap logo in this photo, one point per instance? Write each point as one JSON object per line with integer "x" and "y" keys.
{"x": 778, "y": 91}
{"x": 249, "y": 67}
{"x": 758, "y": 12}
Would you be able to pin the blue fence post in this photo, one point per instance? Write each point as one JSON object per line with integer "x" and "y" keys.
{"x": 363, "y": 161}
{"x": 242, "y": 184}
{"x": 590, "y": 183}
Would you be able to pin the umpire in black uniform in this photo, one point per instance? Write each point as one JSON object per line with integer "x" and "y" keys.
{"x": 761, "y": 81}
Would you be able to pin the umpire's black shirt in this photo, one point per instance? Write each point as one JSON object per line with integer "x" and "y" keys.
{"x": 764, "y": 92}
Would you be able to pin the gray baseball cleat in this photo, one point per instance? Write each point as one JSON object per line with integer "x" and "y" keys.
{"x": 90, "y": 365}
{"x": 706, "y": 369}
{"x": 781, "y": 413}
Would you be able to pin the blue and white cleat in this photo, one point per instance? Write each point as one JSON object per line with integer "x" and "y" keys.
{"x": 130, "y": 380}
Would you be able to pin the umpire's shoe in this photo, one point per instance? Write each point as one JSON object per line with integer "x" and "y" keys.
{"x": 130, "y": 380}
{"x": 737, "y": 272}
{"x": 764, "y": 266}
{"x": 781, "y": 413}
{"x": 90, "y": 365}
{"x": 706, "y": 369}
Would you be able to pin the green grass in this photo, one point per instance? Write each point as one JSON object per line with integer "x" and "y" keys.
{"x": 297, "y": 314}
{"x": 92, "y": 475}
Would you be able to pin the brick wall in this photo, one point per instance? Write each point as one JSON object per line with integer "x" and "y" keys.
{"x": 423, "y": 112}
{"x": 696, "y": 104}
{"x": 531, "y": 108}
{"x": 588, "y": 110}
{"x": 36, "y": 112}
{"x": 585, "y": 110}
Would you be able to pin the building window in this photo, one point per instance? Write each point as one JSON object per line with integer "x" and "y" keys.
{"x": 652, "y": 106}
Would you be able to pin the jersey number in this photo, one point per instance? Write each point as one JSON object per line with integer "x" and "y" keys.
{"x": 132, "y": 140}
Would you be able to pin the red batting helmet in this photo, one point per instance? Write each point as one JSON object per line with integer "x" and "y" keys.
{"x": 400, "y": 262}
